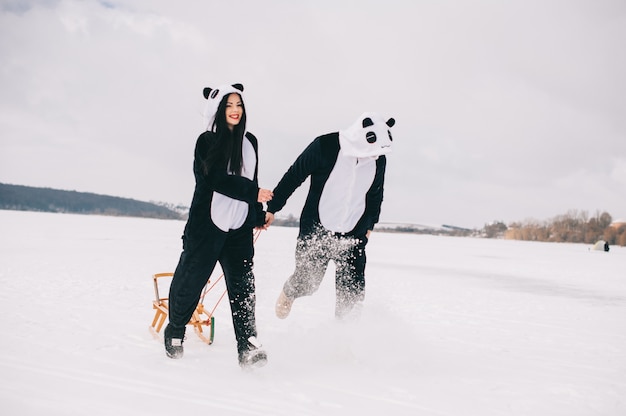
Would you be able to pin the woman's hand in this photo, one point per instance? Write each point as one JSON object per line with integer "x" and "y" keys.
{"x": 269, "y": 219}
{"x": 265, "y": 195}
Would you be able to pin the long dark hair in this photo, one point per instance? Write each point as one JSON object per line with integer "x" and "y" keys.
{"x": 225, "y": 150}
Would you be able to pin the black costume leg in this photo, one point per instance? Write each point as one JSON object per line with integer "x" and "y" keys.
{"x": 350, "y": 278}
{"x": 312, "y": 257}
{"x": 236, "y": 262}
{"x": 194, "y": 268}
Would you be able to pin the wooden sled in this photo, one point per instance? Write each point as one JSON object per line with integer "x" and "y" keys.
{"x": 201, "y": 316}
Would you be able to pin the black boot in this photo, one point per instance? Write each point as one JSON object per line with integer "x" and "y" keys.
{"x": 253, "y": 356}
{"x": 174, "y": 341}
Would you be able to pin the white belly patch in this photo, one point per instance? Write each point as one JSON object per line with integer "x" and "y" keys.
{"x": 228, "y": 213}
{"x": 342, "y": 202}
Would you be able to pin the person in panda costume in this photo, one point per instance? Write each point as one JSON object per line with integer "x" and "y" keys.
{"x": 226, "y": 206}
{"x": 347, "y": 171}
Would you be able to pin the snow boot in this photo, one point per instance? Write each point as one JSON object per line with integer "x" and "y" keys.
{"x": 283, "y": 305}
{"x": 174, "y": 342}
{"x": 253, "y": 356}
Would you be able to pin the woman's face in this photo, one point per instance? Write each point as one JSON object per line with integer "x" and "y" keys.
{"x": 234, "y": 110}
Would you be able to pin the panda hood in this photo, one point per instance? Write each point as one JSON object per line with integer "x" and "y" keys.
{"x": 214, "y": 96}
{"x": 368, "y": 136}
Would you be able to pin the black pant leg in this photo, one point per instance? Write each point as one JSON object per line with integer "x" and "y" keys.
{"x": 237, "y": 263}
{"x": 312, "y": 258}
{"x": 194, "y": 268}
{"x": 350, "y": 278}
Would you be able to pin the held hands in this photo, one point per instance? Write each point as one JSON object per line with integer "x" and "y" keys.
{"x": 269, "y": 219}
{"x": 265, "y": 195}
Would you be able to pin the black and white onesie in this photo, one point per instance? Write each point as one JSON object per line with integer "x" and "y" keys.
{"x": 347, "y": 171}
{"x": 224, "y": 210}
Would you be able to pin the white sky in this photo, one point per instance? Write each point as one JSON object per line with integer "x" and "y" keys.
{"x": 505, "y": 110}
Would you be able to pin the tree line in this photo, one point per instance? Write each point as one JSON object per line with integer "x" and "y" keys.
{"x": 572, "y": 227}
{"x": 26, "y": 198}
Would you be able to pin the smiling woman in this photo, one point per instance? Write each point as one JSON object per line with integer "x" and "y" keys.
{"x": 226, "y": 206}
{"x": 234, "y": 110}
{"x": 225, "y": 116}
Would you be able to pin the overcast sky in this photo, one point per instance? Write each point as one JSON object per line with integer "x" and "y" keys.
{"x": 505, "y": 110}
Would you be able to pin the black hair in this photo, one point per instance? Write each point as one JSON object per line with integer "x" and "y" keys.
{"x": 225, "y": 150}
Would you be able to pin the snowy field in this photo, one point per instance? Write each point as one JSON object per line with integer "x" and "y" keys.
{"x": 451, "y": 326}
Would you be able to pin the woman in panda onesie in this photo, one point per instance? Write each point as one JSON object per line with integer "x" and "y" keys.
{"x": 225, "y": 208}
{"x": 347, "y": 171}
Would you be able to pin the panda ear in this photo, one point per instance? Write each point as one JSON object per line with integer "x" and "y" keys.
{"x": 206, "y": 92}
{"x": 238, "y": 87}
{"x": 391, "y": 122}
{"x": 367, "y": 122}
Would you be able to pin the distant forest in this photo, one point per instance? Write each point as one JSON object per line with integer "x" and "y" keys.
{"x": 573, "y": 227}
{"x": 26, "y": 198}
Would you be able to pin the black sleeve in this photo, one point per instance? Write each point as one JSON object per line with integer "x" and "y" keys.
{"x": 258, "y": 207}
{"x": 305, "y": 164}
{"x": 374, "y": 197}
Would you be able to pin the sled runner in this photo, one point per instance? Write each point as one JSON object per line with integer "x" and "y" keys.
{"x": 201, "y": 316}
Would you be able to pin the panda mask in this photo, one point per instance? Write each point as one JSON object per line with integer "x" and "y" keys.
{"x": 214, "y": 96}
{"x": 369, "y": 136}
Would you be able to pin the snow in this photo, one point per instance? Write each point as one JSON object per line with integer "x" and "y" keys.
{"x": 450, "y": 326}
